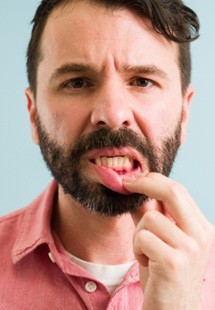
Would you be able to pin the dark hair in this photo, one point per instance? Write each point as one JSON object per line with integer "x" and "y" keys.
{"x": 170, "y": 18}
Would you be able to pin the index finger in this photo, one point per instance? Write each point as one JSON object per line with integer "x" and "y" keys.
{"x": 174, "y": 196}
{"x": 149, "y": 205}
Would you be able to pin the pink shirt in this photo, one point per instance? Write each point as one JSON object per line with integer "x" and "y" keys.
{"x": 36, "y": 272}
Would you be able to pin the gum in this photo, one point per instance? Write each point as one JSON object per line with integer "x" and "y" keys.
{"x": 112, "y": 180}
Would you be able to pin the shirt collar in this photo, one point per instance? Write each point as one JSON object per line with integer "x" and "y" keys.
{"x": 35, "y": 230}
{"x": 35, "y": 224}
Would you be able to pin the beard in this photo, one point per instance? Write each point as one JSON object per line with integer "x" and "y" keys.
{"x": 66, "y": 166}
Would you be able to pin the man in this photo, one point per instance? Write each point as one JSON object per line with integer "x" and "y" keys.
{"x": 109, "y": 101}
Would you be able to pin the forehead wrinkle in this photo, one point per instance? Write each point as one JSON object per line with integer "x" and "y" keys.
{"x": 88, "y": 68}
{"x": 81, "y": 67}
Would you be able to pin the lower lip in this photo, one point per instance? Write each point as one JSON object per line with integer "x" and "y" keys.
{"x": 111, "y": 179}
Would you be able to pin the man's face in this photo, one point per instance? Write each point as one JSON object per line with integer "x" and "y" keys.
{"x": 108, "y": 103}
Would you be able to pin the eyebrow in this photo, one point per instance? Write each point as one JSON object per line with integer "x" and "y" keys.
{"x": 147, "y": 70}
{"x": 83, "y": 68}
{"x": 72, "y": 68}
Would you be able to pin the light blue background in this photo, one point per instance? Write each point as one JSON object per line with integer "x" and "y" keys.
{"x": 23, "y": 174}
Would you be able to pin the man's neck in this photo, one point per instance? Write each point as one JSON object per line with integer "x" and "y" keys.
{"x": 90, "y": 236}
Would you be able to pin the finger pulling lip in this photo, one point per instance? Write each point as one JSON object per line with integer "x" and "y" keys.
{"x": 112, "y": 165}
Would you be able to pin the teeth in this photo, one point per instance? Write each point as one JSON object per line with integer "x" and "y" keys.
{"x": 109, "y": 162}
{"x": 98, "y": 161}
{"x": 120, "y": 162}
{"x": 126, "y": 162}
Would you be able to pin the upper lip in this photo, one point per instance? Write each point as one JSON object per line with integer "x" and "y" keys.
{"x": 113, "y": 152}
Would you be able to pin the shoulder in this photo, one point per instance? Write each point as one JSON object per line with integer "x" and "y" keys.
{"x": 9, "y": 222}
{"x": 12, "y": 215}
{"x": 21, "y": 228}
{"x": 208, "y": 291}
{"x": 11, "y": 226}
{"x": 14, "y": 220}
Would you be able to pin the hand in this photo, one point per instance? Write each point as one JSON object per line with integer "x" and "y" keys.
{"x": 172, "y": 250}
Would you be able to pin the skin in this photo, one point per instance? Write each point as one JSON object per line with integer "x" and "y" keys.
{"x": 167, "y": 249}
{"x": 109, "y": 42}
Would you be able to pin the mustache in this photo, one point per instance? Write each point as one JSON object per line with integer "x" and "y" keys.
{"x": 106, "y": 138}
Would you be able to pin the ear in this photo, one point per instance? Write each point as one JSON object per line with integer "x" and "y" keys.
{"x": 32, "y": 114}
{"x": 186, "y": 112}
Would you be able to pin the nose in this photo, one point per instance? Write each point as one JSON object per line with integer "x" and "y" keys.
{"x": 111, "y": 108}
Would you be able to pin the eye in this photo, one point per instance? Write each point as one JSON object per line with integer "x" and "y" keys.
{"x": 76, "y": 83}
{"x": 142, "y": 82}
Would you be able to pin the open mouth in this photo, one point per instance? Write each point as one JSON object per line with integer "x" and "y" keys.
{"x": 120, "y": 164}
{"x": 112, "y": 165}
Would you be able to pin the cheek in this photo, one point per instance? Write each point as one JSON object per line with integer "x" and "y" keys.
{"x": 159, "y": 121}
{"x": 69, "y": 126}
{"x": 64, "y": 125}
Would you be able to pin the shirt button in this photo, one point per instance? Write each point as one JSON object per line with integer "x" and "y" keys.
{"x": 90, "y": 287}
